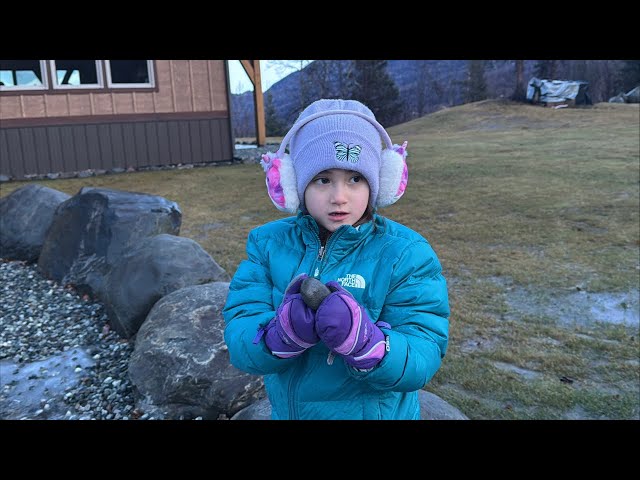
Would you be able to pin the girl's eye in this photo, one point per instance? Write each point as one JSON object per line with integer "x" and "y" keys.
{"x": 356, "y": 178}
{"x": 321, "y": 180}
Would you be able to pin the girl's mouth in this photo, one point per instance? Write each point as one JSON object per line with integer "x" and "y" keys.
{"x": 338, "y": 216}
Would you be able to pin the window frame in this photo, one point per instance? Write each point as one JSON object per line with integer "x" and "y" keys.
{"x": 44, "y": 71}
{"x": 50, "y": 84}
{"x": 150, "y": 85}
{"x": 90, "y": 86}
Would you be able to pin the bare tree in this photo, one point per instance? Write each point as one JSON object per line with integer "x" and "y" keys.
{"x": 344, "y": 74}
{"x": 546, "y": 69}
{"x": 476, "y": 87}
{"x": 603, "y": 78}
{"x": 329, "y": 78}
{"x": 424, "y": 85}
{"x": 242, "y": 107}
{"x": 519, "y": 93}
{"x": 283, "y": 66}
{"x": 319, "y": 75}
{"x": 422, "y": 73}
{"x": 296, "y": 66}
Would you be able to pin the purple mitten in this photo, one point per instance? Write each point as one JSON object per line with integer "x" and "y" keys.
{"x": 292, "y": 330}
{"x": 344, "y": 326}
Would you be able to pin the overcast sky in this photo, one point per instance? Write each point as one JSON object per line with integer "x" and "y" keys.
{"x": 240, "y": 83}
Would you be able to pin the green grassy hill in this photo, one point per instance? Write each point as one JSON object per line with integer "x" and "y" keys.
{"x": 534, "y": 215}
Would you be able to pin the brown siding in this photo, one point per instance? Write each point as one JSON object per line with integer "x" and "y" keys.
{"x": 163, "y": 98}
{"x": 123, "y": 103}
{"x": 143, "y": 102}
{"x": 10, "y": 107}
{"x": 182, "y": 86}
{"x": 57, "y": 106}
{"x": 79, "y": 104}
{"x": 28, "y": 150}
{"x": 33, "y": 106}
{"x": 218, "y": 77}
{"x": 102, "y": 104}
{"x": 55, "y": 151}
{"x": 201, "y": 89}
{"x": 4, "y": 152}
{"x": 42, "y": 148}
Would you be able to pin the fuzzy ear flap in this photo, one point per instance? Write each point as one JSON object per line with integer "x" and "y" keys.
{"x": 281, "y": 181}
{"x": 394, "y": 175}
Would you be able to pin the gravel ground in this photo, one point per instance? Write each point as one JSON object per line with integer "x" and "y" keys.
{"x": 58, "y": 358}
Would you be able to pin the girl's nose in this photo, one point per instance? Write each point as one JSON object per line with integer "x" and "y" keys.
{"x": 338, "y": 194}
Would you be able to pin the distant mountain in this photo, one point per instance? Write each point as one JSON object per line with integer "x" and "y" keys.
{"x": 425, "y": 86}
{"x": 288, "y": 100}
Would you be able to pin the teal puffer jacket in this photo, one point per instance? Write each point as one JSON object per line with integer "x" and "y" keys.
{"x": 390, "y": 269}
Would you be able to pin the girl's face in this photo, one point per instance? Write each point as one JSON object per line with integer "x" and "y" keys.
{"x": 337, "y": 197}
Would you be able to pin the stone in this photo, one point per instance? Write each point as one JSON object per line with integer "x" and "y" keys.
{"x": 180, "y": 365}
{"x": 25, "y": 217}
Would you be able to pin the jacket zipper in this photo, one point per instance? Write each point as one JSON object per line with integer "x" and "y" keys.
{"x": 321, "y": 253}
{"x": 293, "y": 414}
{"x": 316, "y": 273}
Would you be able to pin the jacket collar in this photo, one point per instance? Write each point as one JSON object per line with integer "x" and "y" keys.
{"x": 344, "y": 237}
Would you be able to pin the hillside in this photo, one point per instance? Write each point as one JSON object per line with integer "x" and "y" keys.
{"x": 442, "y": 83}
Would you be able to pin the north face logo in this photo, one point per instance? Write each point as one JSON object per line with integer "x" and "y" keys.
{"x": 352, "y": 280}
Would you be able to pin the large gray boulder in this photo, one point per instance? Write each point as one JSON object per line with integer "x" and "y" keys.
{"x": 156, "y": 267}
{"x": 432, "y": 407}
{"x": 180, "y": 365}
{"x": 94, "y": 228}
{"x": 25, "y": 217}
{"x": 633, "y": 95}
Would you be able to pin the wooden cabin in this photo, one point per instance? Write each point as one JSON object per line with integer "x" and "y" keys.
{"x": 66, "y": 116}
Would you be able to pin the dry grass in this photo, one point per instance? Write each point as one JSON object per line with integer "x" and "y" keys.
{"x": 507, "y": 194}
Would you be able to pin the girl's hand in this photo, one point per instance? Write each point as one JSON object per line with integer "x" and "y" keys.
{"x": 344, "y": 326}
{"x": 292, "y": 330}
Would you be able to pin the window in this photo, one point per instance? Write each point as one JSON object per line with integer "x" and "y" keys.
{"x": 23, "y": 75}
{"x": 73, "y": 74}
{"x": 129, "y": 73}
{"x": 55, "y": 76}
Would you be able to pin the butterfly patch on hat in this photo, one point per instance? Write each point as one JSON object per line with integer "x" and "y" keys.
{"x": 350, "y": 153}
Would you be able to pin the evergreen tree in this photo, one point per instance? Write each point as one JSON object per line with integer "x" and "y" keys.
{"x": 546, "y": 69}
{"x": 273, "y": 124}
{"x": 476, "y": 83}
{"x": 373, "y": 86}
{"x": 630, "y": 74}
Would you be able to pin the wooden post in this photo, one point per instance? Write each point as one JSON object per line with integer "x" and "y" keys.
{"x": 252, "y": 67}
{"x": 259, "y": 102}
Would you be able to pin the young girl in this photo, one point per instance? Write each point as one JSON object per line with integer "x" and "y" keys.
{"x": 381, "y": 333}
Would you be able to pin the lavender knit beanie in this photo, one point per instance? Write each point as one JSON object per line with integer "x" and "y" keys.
{"x": 339, "y": 140}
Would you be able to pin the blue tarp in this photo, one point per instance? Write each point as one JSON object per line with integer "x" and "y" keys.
{"x": 552, "y": 91}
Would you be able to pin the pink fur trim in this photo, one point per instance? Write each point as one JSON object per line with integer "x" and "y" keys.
{"x": 402, "y": 150}
{"x": 266, "y": 161}
{"x": 271, "y": 165}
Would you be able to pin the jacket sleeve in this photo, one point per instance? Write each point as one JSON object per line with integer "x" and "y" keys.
{"x": 417, "y": 308}
{"x": 248, "y": 308}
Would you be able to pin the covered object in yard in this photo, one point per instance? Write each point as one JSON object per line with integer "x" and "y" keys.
{"x": 554, "y": 92}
